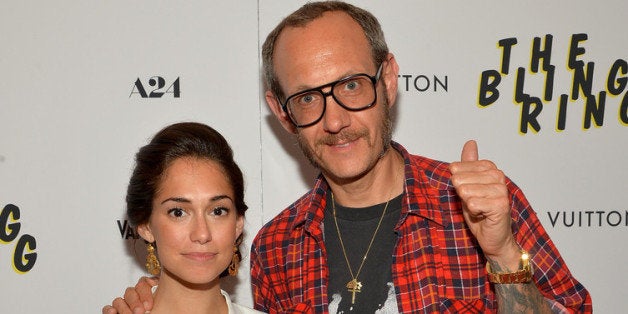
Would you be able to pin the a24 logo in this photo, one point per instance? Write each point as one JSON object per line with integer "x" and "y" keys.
{"x": 158, "y": 87}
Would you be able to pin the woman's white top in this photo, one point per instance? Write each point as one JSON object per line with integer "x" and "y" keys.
{"x": 237, "y": 308}
{"x": 233, "y": 307}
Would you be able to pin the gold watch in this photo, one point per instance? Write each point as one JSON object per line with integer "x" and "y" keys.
{"x": 522, "y": 275}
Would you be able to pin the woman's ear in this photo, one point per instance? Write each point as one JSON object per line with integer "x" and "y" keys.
{"x": 239, "y": 225}
{"x": 144, "y": 231}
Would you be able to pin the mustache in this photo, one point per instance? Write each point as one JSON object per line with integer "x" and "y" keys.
{"x": 342, "y": 137}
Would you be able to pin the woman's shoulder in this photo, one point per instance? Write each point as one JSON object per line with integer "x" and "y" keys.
{"x": 235, "y": 308}
{"x": 240, "y": 309}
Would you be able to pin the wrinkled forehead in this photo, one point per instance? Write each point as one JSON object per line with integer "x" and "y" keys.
{"x": 326, "y": 49}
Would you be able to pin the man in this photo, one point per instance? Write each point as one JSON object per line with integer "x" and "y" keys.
{"x": 383, "y": 230}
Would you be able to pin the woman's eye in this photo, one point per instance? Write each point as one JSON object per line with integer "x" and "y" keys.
{"x": 176, "y": 212}
{"x": 220, "y": 211}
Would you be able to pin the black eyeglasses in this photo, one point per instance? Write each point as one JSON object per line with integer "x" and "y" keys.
{"x": 354, "y": 93}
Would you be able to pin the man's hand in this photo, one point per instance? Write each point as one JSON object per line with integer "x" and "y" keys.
{"x": 136, "y": 300}
{"x": 482, "y": 189}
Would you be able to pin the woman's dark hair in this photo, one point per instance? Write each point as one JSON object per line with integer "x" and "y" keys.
{"x": 186, "y": 139}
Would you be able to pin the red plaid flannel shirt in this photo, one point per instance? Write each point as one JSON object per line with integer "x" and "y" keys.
{"x": 438, "y": 266}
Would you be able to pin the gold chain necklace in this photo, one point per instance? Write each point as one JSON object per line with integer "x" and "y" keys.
{"x": 354, "y": 285}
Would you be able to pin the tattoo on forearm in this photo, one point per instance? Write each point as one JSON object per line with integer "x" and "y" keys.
{"x": 519, "y": 298}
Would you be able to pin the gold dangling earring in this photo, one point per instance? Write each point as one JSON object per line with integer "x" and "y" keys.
{"x": 152, "y": 263}
{"x": 235, "y": 262}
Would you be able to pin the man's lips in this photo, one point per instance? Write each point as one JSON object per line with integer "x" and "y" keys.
{"x": 340, "y": 141}
{"x": 342, "y": 144}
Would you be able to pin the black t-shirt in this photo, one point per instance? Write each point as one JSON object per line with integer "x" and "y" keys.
{"x": 357, "y": 226}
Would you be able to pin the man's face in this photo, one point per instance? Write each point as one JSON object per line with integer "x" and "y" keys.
{"x": 344, "y": 145}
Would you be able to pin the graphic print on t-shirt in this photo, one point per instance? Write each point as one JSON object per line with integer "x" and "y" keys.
{"x": 357, "y": 226}
{"x": 388, "y": 307}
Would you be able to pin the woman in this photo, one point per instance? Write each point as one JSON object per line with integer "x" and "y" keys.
{"x": 186, "y": 199}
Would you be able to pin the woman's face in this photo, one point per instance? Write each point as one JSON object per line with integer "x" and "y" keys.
{"x": 194, "y": 221}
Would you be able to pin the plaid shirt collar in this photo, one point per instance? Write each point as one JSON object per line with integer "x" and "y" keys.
{"x": 416, "y": 179}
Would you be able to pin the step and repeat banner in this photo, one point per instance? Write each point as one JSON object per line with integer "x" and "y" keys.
{"x": 542, "y": 86}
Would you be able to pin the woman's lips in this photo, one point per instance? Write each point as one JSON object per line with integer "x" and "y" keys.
{"x": 200, "y": 256}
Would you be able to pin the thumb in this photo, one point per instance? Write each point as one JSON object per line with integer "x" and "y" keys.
{"x": 469, "y": 151}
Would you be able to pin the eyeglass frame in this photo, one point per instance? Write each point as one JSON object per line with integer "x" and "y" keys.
{"x": 374, "y": 79}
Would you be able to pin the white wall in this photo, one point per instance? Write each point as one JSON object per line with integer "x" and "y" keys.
{"x": 71, "y": 118}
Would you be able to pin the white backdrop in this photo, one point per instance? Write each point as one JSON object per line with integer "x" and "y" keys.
{"x": 73, "y": 113}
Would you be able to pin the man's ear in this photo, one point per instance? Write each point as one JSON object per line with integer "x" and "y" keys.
{"x": 275, "y": 107}
{"x": 390, "y": 78}
{"x": 144, "y": 231}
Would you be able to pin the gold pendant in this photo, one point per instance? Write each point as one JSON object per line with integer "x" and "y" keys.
{"x": 354, "y": 286}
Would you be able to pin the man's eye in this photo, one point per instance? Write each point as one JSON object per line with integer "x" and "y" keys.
{"x": 307, "y": 99}
{"x": 351, "y": 85}
{"x": 354, "y": 85}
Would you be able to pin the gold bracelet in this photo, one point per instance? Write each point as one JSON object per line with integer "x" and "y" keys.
{"x": 522, "y": 275}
